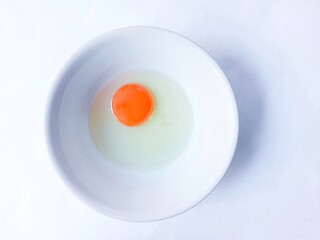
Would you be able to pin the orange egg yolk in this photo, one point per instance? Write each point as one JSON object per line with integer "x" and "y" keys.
{"x": 132, "y": 104}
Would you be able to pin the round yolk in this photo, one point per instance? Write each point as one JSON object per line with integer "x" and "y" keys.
{"x": 132, "y": 104}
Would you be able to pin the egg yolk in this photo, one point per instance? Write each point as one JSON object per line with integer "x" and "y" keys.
{"x": 132, "y": 104}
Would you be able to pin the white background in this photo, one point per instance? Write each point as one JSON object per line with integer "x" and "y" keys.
{"x": 269, "y": 50}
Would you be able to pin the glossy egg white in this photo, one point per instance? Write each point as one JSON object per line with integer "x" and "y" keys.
{"x": 157, "y": 141}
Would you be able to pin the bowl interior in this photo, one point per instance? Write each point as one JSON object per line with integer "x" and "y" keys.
{"x": 143, "y": 196}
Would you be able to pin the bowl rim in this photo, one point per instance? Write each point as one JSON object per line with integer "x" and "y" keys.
{"x": 57, "y": 84}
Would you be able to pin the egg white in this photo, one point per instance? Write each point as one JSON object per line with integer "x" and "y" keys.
{"x": 154, "y": 143}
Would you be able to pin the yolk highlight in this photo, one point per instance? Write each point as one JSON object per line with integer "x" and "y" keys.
{"x": 132, "y": 104}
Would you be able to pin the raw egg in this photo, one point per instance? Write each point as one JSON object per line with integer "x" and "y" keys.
{"x": 140, "y": 120}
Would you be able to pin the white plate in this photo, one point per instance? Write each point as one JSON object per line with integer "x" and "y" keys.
{"x": 153, "y": 195}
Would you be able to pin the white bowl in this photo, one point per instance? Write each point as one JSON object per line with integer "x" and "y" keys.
{"x": 153, "y": 195}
